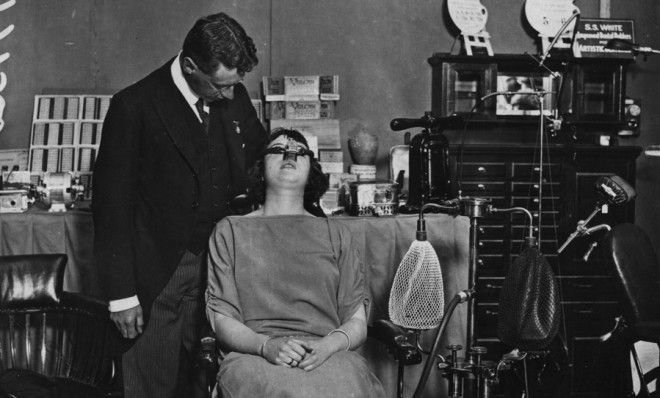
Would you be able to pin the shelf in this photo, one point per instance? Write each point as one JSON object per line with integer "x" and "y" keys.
{"x": 66, "y": 133}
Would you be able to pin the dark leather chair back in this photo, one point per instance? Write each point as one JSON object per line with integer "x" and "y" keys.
{"x": 54, "y": 333}
{"x": 637, "y": 267}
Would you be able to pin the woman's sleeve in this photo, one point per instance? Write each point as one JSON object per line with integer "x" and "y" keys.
{"x": 353, "y": 291}
{"x": 221, "y": 293}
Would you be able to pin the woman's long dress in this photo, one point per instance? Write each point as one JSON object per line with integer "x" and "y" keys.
{"x": 288, "y": 276}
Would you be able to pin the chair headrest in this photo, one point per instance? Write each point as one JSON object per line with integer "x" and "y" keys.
{"x": 31, "y": 280}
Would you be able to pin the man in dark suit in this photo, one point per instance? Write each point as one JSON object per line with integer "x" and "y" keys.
{"x": 174, "y": 152}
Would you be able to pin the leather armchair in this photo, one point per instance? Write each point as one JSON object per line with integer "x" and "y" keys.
{"x": 65, "y": 337}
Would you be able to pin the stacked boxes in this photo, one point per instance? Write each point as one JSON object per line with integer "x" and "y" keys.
{"x": 307, "y": 104}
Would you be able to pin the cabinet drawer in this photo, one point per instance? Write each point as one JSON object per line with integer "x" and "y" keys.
{"x": 549, "y": 218}
{"x": 590, "y": 319}
{"x": 488, "y": 290}
{"x": 491, "y": 231}
{"x": 521, "y": 171}
{"x": 483, "y": 188}
{"x": 588, "y": 288}
{"x": 486, "y": 320}
{"x": 548, "y": 231}
{"x": 532, "y": 189}
{"x": 485, "y": 246}
{"x": 491, "y": 264}
{"x": 532, "y": 203}
{"x": 482, "y": 170}
{"x": 547, "y": 246}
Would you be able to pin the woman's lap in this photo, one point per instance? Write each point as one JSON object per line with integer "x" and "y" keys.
{"x": 345, "y": 374}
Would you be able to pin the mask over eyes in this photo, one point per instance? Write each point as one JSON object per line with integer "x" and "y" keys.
{"x": 291, "y": 150}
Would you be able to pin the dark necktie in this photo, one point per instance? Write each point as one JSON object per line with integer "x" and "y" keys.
{"x": 203, "y": 114}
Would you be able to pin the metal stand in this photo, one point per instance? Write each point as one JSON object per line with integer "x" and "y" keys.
{"x": 474, "y": 208}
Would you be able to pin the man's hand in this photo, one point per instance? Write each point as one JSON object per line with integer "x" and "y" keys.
{"x": 129, "y": 322}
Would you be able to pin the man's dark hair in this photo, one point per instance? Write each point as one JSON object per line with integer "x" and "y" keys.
{"x": 317, "y": 182}
{"x": 216, "y": 39}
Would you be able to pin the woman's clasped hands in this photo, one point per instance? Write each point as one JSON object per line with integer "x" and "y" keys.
{"x": 297, "y": 353}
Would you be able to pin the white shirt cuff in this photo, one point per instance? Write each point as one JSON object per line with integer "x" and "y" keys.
{"x": 123, "y": 304}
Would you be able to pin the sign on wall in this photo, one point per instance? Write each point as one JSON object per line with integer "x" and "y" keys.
{"x": 593, "y": 34}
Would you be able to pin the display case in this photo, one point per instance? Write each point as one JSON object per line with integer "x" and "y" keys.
{"x": 587, "y": 92}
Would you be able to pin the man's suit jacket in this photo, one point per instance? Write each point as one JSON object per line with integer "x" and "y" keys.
{"x": 146, "y": 183}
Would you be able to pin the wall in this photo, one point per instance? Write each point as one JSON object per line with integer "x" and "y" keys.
{"x": 378, "y": 47}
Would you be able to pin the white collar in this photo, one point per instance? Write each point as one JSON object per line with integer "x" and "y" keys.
{"x": 183, "y": 86}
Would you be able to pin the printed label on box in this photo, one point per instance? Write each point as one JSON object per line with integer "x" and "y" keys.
{"x": 301, "y": 86}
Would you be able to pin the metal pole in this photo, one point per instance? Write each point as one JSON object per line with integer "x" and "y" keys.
{"x": 472, "y": 282}
{"x": 541, "y": 123}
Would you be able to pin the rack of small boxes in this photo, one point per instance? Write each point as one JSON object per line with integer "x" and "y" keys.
{"x": 66, "y": 133}
{"x": 307, "y": 104}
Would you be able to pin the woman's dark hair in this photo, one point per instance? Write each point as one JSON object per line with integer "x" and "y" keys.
{"x": 317, "y": 182}
{"x": 216, "y": 39}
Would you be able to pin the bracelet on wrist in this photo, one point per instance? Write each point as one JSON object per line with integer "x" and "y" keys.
{"x": 348, "y": 338}
{"x": 263, "y": 346}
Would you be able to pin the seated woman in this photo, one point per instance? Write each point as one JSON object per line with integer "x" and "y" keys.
{"x": 286, "y": 292}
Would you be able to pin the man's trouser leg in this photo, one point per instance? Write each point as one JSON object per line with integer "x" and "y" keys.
{"x": 161, "y": 359}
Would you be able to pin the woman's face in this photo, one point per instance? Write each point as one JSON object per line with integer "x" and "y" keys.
{"x": 284, "y": 171}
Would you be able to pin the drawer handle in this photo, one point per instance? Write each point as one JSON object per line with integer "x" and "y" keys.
{"x": 537, "y": 168}
{"x": 481, "y": 244}
{"x": 481, "y": 169}
{"x": 482, "y": 230}
{"x": 481, "y": 186}
{"x": 491, "y": 286}
{"x": 584, "y": 285}
{"x": 536, "y": 186}
{"x": 584, "y": 311}
{"x": 489, "y": 312}
{"x": 480, "y": 262}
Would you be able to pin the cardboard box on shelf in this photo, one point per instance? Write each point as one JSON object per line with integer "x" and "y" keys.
{"x": 332, "y": 167}
{"x": 307, "y": 110}
{"x": 301, "y": 88}
{"x": 326, "y": 130}
{"x": 273, "y": 88}
{"x": 331, "y": 155}
{"x": 329, "y": 88}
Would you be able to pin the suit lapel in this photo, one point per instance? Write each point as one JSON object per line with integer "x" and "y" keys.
{"x": 179, "y": 119}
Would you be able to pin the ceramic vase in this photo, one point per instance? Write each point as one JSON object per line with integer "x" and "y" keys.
{"x": 363, "y": 147}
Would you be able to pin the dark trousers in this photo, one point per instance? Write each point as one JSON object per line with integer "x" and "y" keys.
{"x": 162, "y": 361}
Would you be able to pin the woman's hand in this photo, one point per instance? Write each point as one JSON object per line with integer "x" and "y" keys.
{"x": 318, "y": 351}
{"x": 284, "y": 351}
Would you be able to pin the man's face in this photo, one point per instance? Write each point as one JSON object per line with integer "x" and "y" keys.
{"x": 214, "y": 86}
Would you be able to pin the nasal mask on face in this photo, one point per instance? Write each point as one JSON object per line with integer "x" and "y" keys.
{"x": 291, "y": 150}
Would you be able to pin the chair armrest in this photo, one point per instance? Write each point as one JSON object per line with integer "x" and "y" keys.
{"x": 397, "y": 340}
{"x": 92, "y": 304}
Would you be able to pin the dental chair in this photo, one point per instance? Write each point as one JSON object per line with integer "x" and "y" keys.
{"x": 396, "y": 340}
{"x": 636, "y": 264}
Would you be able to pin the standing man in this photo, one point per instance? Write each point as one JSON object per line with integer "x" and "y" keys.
{"x": 174, "y": 152}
